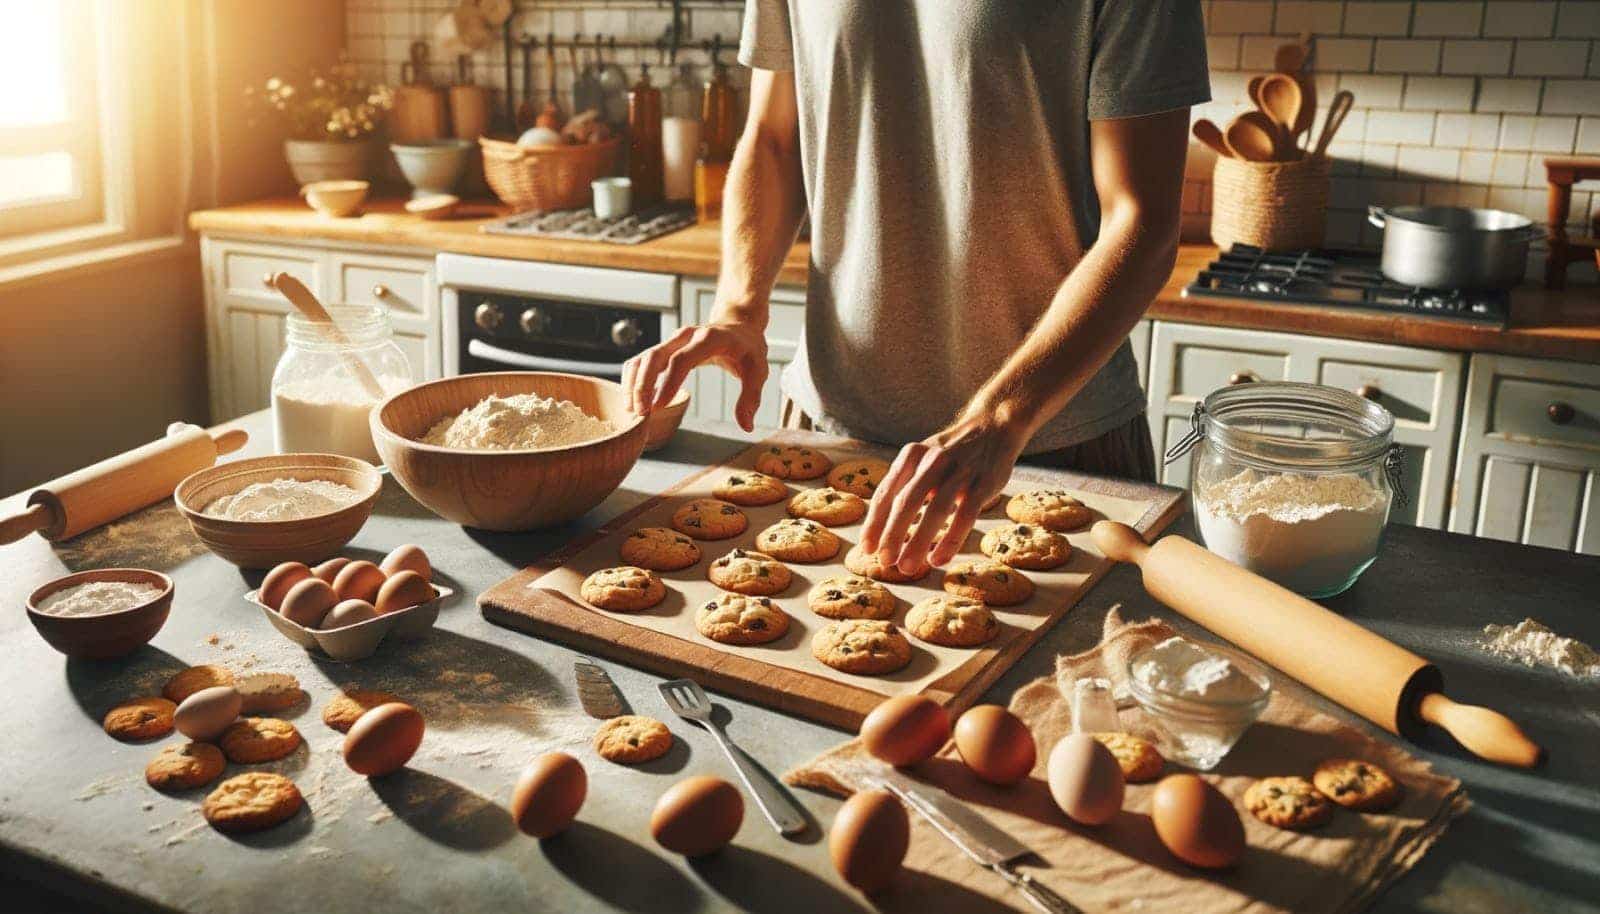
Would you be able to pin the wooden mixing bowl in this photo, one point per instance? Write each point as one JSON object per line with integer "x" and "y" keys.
{"x": 663, "y": 423}
{"x": 265, "y": 543}
{"x": 507, "y": 490}
{"x": 109, "y": 634}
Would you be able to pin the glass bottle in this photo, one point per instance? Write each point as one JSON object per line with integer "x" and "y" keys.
{"x": 644, "y": 140}
{"x": 680, "y": 134}
{"x": 318, "y": 404}
{"x": 717, "y": 139}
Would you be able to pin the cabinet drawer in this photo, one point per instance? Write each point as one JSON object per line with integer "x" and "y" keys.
{"x": 1200, "y": 368}
{"x": 247, "y": 270}
{"x": 1413, "y": 395}
{"x": 1539, "y": 411}
{"x": 405, "y": 287}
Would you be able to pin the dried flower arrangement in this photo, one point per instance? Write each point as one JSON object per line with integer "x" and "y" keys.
{"x": 334, "y": 105}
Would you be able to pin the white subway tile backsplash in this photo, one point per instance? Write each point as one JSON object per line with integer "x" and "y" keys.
{"x": 1344, "y": 54}
{"x": 1239, "y": 17}
{"x": 1439, "y": 93}
{"x": 1588, "y": 136}
{"x": 1378, "y": 160}
{"x": 1399, "y": 127}
{"x": 1516, "y": 131}
{"x": 1345, "y": 157}
{"x": 1377, "y": 17}
{"x": 1374, "y": 91}
{"x": 1556, "y": 57}
{"x": 1484, "y": 56}
{"x": 1477, "y": 166}
{"x": 1406, "y": 55}
{"x": 1514, "y": 95}
{"x": 1554, "y": 134}
{"x": 1319, "y": 17}
{"x": 1519, "y": 19}
{"x": 1570, "y": 96}
{"x": 1446, "y": 19}
{"x": 1429, "y": 163}
{"x": 1510, "y": 169}
{"x": 1222, "y": 52}
{"x": 1257, "y": 53}
{"x": 1577, "y": 19}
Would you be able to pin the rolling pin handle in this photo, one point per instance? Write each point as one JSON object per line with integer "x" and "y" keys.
{"x": 230, "y": 440}
{"x": 36, "y": 516}
{"x": 1119, "y": 542}
{"x": 1487, "y": 734}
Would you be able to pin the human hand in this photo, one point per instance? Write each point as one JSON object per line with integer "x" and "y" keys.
{"x": 652, "y": 378}
{"x": 954, "y": 472}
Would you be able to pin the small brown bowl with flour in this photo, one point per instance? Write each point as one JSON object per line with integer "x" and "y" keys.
{"x": 101, "y": 614}
{"x": 509, "y": 451}
{"x": 259, "y": 512}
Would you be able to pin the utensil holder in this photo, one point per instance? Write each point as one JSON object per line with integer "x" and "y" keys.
{"x": 1276, "y": 206}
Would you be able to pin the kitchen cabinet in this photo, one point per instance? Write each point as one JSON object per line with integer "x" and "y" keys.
{"x": 1139, "y": 339}
{"x": 1530, "y": 453}
{"x": 714, "y": 391}
{"x": 245, "y": 316}
{"x": 1421, "y": 387}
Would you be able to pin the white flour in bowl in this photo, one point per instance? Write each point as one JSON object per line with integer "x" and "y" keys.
{"x": 283, "y": 499}
{"x": 1307, "y": 533}
{"x": 98, "y": 598}
{"x": 517, "y": 422}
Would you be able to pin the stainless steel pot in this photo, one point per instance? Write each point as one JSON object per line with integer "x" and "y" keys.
{"x": 1454, "y": 247}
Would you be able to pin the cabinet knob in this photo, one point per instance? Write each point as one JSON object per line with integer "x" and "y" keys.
{"x": 1370, "y": 391}
{"x": 1242, "y": 377}
{"x": 1560, "y": 413}
{"x": 380, "y": 291}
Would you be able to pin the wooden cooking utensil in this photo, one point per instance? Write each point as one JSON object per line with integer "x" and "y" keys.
{"x": 1207, "y": 132}
{"x": 551, "y": 116}
{"x": 527, "y": 115}
{"x": 469, "y": 103}
{"x": 98, "y": 494}
{"x": 1291, "y": 58}
{"x": 306, "y": 303}
{"x": 1337, "y": 109}
{"x": 1253, "y": 137}
{"x": 1357, "y": 668}
{"x": 1281, "y": 100}
{"x": 419, "y": 106}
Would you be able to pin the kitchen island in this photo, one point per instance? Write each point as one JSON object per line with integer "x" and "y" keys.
{"x": 76, "y": 814}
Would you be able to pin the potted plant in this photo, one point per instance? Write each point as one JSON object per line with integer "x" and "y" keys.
{"x": 331, "y": 118}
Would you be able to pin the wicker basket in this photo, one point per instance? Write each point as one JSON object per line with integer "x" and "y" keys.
{"x": 1276, "y": 206}
{"x": 546, "y": 177}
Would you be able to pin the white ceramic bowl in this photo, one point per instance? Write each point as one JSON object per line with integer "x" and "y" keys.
{"x": 336, "y": 198}
{"x": 433, "y": 167}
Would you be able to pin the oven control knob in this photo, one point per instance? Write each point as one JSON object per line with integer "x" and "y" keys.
{"x": 626, "y": 332}
{"x": 488, "y": 316}
{"x": 534, "y": 322}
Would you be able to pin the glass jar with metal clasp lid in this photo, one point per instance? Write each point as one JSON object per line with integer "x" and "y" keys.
{"x": 1293, "y": 481}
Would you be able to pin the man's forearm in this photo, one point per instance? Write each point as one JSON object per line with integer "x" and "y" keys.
{"x": 762, "y": 204}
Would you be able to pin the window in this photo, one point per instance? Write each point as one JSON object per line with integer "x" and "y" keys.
{"x": 51, "y": 163}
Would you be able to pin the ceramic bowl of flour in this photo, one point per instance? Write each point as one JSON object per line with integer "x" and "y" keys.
{"x": 100, "y": 614}
{"x": 304, "y": 507}
{"x": 501, "y": 469}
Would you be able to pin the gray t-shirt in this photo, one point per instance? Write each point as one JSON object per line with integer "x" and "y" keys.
{"x": 945, "y": 146}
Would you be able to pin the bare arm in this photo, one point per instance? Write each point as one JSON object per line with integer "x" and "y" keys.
{"x": 1138, "y": 174}
{"x": 762, "y": 204}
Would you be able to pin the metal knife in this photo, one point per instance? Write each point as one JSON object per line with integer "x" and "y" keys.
{"x": 596, "y": 692}
{"x": 978, "y": 838}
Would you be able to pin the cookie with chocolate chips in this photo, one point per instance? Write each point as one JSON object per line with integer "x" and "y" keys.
{"x": 851, "y": 596}
{"x": 735, "y": 618}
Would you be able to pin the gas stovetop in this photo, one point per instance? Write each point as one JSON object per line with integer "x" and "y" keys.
{"x": 583, "y": 225}
{"x": 1345, "y": 279}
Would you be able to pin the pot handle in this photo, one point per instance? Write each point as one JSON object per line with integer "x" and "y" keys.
{"x": 1377, "y": 216}
{"x": 1532, "y": 232}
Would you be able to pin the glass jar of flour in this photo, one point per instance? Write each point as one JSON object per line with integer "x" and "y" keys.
{"x": 1292, "y": 481}
{"x": 318, "y": 404}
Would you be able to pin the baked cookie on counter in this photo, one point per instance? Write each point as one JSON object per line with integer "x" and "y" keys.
{"x": 626, "y": 588}
{"x": 346, "y": 708}
{"x": 251, "y": 802}
{"x": 795, "y": 539}
{"x": 194, "y": 679}
{"x": 734, "y": 618}
{"x": 992, "y": 582}
{"x": 793, "y": 462}
{"x": 865, "y": 647}
{"x": 750, "y": 488}
{"x": 1026, "y": 546}
{"x": 1137, "y": 757}
{"x": 851, "y": 596}
{"x": 709, "y": 519}
{"x": 1355, "y": 784}
{"x": 185, "y": 767}
{"x": 250, "y": 740}
{"x": 658, "y": 549}
{"x": 140, "y": 719}
{"x": 828, "y": 506}
{"x": 869, "y": 565}
{"x": 859, "y": 475}
{"x": 632, "y": 739}
{"x": 1287, "y": 802}
{"x": 750, "y": 573}
{"x": 952, "y": 621}
{"x": 1052, "y": 509}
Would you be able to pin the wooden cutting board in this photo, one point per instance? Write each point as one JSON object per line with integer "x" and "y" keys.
{"x": 542, "y": 599}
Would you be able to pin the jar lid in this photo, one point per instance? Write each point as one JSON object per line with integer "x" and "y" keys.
{"x": 1290, "y": 426}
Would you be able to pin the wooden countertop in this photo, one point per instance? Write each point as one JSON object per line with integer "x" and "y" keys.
{"x": 1549, "y": 324}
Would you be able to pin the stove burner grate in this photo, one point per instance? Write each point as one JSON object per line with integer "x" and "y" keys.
{"x": 583, "y": 225}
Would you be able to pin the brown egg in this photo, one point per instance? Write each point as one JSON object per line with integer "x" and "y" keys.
{"x": 348, "y": 612}
{"x": 408, "y": 558}
{"x": 697, "y": 816}
{"x": 359, "y": 580}
{"x": 277, "y": 582}
{"x": 329, "y": 570}
{"x": 1085, "y": 779}
{"x": 205, "y": 714}
{"x": 549, "y": 794}
{"x": 1196, "y": 822}
{"x": 307, "y": 602}
{"x": 995, "y": 744}
{"x": 405, "y": 589}
{"x": 869, "y": 838}
{"x": 383, "y": 739}
{"x": 905, "y": 729}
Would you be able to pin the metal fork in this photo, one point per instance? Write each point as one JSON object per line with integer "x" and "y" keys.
{"x": 688, "y": 701}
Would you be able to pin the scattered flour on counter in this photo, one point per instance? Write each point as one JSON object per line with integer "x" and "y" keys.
{"x": 97, "y": 598}
{"x": 517, "y": 422}
{"x": 283, "y": 499}
{"x": 1532, "y": 644}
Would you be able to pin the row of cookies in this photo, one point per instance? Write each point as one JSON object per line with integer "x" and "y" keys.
{"x": 1294, "y": 802}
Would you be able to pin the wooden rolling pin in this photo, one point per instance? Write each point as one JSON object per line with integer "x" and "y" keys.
{"x": 1357, "y": 668}
{"x": 98, "y": 494}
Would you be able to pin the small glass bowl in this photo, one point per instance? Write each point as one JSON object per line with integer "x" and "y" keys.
{"x": 1198, "y": 731}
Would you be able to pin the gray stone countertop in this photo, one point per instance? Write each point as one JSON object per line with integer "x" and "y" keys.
{"x": 75, "y": 812}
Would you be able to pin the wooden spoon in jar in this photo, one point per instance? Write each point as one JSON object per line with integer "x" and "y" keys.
{"x": 1252, "y": 136}
{"x": 1281, "y": 100}
{"x": 1207, "y": 132}
{"x": 306, "y": 303}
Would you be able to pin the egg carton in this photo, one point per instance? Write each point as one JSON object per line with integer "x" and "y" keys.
{"x": 359, "y": 641}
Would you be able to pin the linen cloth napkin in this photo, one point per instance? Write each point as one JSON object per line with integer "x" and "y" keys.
{"x": 1122, "y": 865}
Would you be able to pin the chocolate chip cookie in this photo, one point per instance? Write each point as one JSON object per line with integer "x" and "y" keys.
{"x": 1137, "y": 758}
{"x": 795, "y": 539}
{"x": 194, "y": 679}
{"x": 859, "y": 475}
{"x": 952, "y": 621}
{"x": 865, "y": 647}
{"x": 751, "y": 573}
{"x": 992, "y": 582}
{"x": 749, "y": 488}
{"x": 1051, "y": 509}
{"x": 734, "y": 618}
{"x": 250, "y": 740}
{"x": 264, "y": 693}
{"x": 1026, "y": 546}
{"x": 792, "y": 462}
{"x": 185, "y": 767}
{"x": 1355, "y": 784}
{"x": 140, "y": 719}
{"x": 251, "y": 802}
{"x": 851, "y": 596}
{"x": 658, "y": 549}
{"x": 1287, "y": 802}
{"x": 624, "y": 589}
{"x": 828, "y": 506}
{"x": 709, "y": 519}
{"x": 632, "y": 739}
{"x": 871, "y": 566}
{"x": 347, "y": 707}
